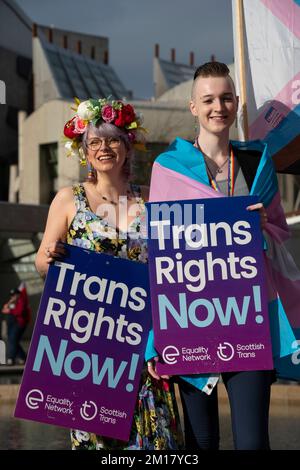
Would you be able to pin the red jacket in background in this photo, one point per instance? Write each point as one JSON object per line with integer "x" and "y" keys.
{"x": 21, "y": 310}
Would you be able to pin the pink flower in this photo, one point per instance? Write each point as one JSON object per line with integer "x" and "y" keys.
{"x": 79, "y": 125}
{"x": 108, "y": 113}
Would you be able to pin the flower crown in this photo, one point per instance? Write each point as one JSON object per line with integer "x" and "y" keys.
{"x": 93, "y": 111}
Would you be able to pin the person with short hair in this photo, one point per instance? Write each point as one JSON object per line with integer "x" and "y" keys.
{"x": 210, "y": 164}
{"x": 107, "y": 214}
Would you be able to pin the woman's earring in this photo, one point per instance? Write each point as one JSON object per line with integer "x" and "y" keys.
{"x": 91, "y": 176}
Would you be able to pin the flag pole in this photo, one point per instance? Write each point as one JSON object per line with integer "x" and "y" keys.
{"x": 242, "y": 67}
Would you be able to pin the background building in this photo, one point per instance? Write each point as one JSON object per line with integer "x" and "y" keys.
{"x": 16, "y": 73}
{"x": 39, "y": 65}
{"x": 44, "y": 68}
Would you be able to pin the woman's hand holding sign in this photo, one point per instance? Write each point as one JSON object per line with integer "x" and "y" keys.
{"x": 151, "y": 365}
{"x": 54, "y": 250}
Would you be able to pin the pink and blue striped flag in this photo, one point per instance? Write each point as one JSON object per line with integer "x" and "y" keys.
{"x": 271, "y": 49}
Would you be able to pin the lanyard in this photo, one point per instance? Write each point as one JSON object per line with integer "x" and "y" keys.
{"x": 212, "y": 180}
{"x": 230, "y": 186}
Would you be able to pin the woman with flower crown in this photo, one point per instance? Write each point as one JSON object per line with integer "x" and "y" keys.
{"x": 107, "y": 214}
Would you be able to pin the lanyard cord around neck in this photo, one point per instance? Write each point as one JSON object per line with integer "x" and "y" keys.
{"x": 212, "y": 180}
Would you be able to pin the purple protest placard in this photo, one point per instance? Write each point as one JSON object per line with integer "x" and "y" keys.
{"x": 87, "y": 351}
{"x": 208, "y": 294}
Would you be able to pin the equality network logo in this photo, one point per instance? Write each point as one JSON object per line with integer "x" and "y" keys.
{"x": 34, "y": 398}
{"x": 2, "y": 92}
{"x": 169, "y": 354}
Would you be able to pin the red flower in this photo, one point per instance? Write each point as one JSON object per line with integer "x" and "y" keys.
{"x": 120, "y": 121}
{"x": 69, "y": 129}
{"x": 126, "y": 115}
{"x": 129, "y": 114}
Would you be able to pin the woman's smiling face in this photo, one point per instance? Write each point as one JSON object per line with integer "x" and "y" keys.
{"x": 105, "y": 153}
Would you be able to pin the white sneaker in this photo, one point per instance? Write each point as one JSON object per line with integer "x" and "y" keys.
{"x": 10, "y": 362}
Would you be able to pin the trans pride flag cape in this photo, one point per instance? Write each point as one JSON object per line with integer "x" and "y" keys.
{"x": 180, "y": 174}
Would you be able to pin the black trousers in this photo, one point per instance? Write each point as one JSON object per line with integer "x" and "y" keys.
{"x": 249, "y": 398}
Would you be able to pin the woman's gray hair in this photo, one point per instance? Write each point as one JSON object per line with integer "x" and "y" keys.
{"x": 105, "y": 129}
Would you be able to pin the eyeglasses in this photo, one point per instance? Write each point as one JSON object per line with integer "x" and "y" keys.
{"x": 95, "y": 144}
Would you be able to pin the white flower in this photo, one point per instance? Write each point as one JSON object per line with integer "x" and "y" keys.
{"x": 68, "y": 145}
{"x": 82, "y": 436}
{"x": 86, "y": 111}
{"x": 102, "y": 101}
{"x": 72, "y": 150}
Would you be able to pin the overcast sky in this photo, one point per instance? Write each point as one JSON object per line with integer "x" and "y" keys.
{"x": 134, "y": 26}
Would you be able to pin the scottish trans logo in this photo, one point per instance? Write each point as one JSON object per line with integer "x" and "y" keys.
{"x": 88, "y": 410}
{"x": 225, "y": 351}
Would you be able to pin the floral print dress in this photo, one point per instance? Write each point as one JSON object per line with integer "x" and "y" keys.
{"x": 156, "y": 423}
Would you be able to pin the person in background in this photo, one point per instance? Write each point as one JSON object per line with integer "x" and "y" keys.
{"x": 18, "y": 312}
